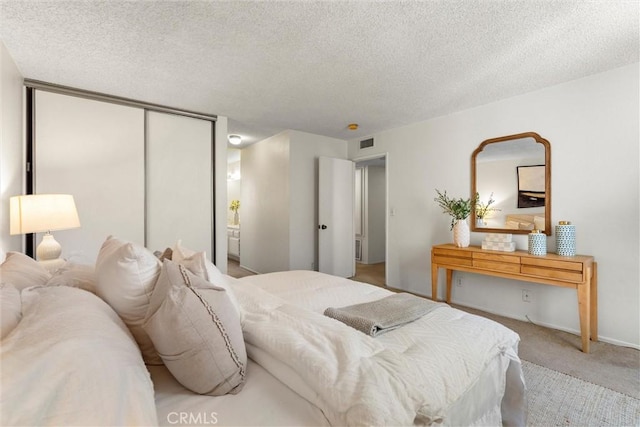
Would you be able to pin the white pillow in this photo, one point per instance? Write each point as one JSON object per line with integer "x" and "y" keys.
{"x": 10, "y": 309}
{"x": 23, "y": 271}
{"x": 75, "y": 275}
{"x": 126, "y": 276}
{"x": 198, "y": 264}
{"x": 197, "y": 332}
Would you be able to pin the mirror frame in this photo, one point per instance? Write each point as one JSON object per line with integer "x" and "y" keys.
{"x": 547, "y": 183}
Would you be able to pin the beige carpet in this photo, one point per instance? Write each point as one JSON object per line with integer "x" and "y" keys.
{"x": 608, "y": 365}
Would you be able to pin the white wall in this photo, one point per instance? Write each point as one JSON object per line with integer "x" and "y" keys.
{"x": 280, "y": 200}
{"x": 264, "y": 216}
{"x": 593, "y": 127}
{"x": 11, "y": 146}
{"x": 376, "y": 220}
{"x": 306, "y": 148}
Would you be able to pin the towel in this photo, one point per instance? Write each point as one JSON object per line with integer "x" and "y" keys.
{"x": 384, "y": 315}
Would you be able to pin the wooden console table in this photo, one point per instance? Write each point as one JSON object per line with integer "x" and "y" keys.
{"x": 578, "y": 272}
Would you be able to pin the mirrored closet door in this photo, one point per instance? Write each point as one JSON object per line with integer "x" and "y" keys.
{"x": 143, "y": 176}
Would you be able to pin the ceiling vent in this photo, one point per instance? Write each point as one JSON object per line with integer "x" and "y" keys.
{"x": 367, "y": 143}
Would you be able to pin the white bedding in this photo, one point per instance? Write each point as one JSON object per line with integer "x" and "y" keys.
{"x": 263, "y": 401}
{"x": 72, "y": 361}
{"x": 448, "y": 367}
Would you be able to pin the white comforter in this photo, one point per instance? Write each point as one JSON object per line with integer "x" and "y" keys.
{"x": 413, "y": 375}
{"x": 72, "y": 361}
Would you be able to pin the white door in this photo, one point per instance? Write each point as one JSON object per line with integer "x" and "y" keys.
{"x": 336, "y": 254}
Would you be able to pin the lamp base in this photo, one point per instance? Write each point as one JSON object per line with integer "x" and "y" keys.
{"x": 48, "y": 253}
{"x": 52, "y": 265}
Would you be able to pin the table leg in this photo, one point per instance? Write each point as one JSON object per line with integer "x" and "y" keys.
{"x": 594, "y": 302}
{"x": 449, "y": 281}
{"x": 584, "y": 308}
{"x": 434, "y": 281}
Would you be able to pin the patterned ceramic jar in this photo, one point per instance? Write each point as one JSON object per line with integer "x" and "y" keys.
{"x": 565, "y": 238}
{"x": 537, "y": 243}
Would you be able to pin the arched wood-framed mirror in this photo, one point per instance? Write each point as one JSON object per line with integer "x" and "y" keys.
{"x": 515, "y": 172}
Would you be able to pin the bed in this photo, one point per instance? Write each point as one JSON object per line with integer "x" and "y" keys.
{"x": 73, "y": 356}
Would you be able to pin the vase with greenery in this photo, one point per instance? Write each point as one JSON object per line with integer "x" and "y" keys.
{"x": 235, "y": 206}
{"x": 459, "y": 210}
{"x": 483, "y": 209}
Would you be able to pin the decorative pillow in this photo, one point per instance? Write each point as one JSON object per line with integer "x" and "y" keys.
{"x": 10, "y": 308}
{"x": 179, "y": 252}
{"x": 199, "y": 265}
{"x": 76, "y": 276}
{"x": 23, "y": 271}
{"x": 512, "y": 224}
{"x": 196, "y": 332}
{"x": 126, "y": 275}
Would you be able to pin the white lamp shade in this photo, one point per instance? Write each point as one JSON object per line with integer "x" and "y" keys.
{"x": 36, "y": 213}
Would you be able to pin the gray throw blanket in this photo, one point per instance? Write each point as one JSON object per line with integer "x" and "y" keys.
{"x": 384, "y": 315}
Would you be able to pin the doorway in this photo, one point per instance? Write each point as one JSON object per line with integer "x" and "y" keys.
{"x": 371, "y": 220}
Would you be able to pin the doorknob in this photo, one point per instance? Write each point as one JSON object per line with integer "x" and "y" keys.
{"x": 322, "y": 227}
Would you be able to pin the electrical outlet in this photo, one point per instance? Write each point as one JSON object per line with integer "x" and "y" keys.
{"x": 459, "y": 281}
{"x": 527, "y": 295}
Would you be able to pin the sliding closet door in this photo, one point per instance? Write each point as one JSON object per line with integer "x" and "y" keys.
{"x": 179, "y": 182}
{"x": 95, "y": 151}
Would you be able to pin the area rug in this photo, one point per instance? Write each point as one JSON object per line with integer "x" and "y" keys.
{"x": 557, "y": 399}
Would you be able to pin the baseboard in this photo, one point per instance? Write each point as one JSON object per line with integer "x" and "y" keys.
{"x": 248, "y": 269}
{"x": 608, "y": 340}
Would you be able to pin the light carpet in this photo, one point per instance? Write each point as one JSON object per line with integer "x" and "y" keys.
{"x": 557, "y": 399}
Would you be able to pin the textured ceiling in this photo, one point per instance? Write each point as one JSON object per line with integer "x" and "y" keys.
{"x": 316, "y": 66}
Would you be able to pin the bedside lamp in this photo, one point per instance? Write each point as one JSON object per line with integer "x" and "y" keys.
{"x": 37, "y": 213}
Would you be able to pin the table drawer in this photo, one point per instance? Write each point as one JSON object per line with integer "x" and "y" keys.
{"x": 512, "y": 259}
{"x": 456, "y": 253}
{"x": 553, "y": 263}
{"x": 507, "y": 267}
{"x": 449, "y": 260}
{"x": 552, "y": 273}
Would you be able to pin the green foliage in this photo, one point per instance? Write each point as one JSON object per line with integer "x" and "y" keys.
{"x": 457, "y": 208}
{"x": 483, "y": 209}
{"x": 235, "y": 205}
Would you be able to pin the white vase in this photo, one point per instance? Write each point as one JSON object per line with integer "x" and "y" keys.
{"x": 236, "y": 219}
{"x": 461, "y": 233}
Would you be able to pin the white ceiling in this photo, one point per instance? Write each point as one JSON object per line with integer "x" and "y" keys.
{"x": 317, "y": 66}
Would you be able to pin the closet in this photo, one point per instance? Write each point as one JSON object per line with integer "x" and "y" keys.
{"x": 136, "y": 172}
